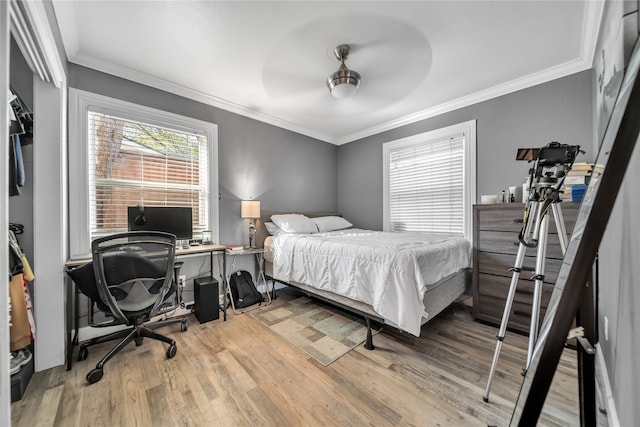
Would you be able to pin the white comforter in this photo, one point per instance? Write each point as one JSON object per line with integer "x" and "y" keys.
{"x": 389, "y": 271}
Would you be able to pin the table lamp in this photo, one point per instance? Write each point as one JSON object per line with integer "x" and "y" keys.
{"x": 250, "y": 209}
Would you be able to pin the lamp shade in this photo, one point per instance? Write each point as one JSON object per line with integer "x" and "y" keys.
{"x": 250, "y": 209}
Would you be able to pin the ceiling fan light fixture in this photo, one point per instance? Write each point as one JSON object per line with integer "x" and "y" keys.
{"x": 344, "y": 82}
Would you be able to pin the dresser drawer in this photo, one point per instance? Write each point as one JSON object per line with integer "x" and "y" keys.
{"x": 492, "y": 309}
{"x": 498, "y": 286}
{"x": 509, "y": 217}
{"x": 507, "y": 243}
{"x": 499, "y": 265}
{"x": 491, "y": 299}
{"x": 500, "y": 217}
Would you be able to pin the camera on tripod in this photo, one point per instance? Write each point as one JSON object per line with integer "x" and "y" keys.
{"x": 552, "y": 162}
{"x": 551, "y": 154}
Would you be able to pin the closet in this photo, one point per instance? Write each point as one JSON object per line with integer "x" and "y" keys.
{"x": 33, "y": 64}
{"x": 22, "y": 326}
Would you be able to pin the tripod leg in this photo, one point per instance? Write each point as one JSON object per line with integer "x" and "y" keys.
{"x": 505, "y": 316}
{"x": 560, "y": 227}
{"x": 537, "y": 291}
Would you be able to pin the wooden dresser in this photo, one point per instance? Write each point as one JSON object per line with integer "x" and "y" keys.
{"x": 496, "y": 229}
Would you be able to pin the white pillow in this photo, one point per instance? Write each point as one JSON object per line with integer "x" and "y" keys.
{"x": 294, "y": 223}
{"x": 273, "y": 229}
{"x": 331, "y": 223}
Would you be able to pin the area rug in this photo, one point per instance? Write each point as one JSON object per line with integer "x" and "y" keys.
{"x": 319, "y": 330}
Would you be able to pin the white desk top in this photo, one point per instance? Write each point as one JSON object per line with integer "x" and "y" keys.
{"x": 191, "y": 250}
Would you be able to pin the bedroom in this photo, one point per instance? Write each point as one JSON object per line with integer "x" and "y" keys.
{"x": 339, "y": 177}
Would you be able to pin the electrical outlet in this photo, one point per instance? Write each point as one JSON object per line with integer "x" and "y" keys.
{"x": 182, "y": 280}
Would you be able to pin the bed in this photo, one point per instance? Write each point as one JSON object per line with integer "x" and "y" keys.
{"x": 400, "y": 280}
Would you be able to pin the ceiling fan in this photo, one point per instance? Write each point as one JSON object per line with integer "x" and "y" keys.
{"x": 344, "y": 82}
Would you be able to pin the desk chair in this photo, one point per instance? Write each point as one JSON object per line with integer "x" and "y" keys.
{"x": 135, "y": 280}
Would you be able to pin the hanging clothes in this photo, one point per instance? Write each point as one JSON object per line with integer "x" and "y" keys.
{"x": 15, "y": 260}
{"x": 14, "y": 188}
{"x": 20, "y": 133}
{"x": 22, "y": 118}
{"x": 19, "y": 160}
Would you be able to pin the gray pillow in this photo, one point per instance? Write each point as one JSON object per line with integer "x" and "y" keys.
{"x": 331, "y": 223}
{"x": 294, "y": 223}
{"x": 273, "y": 229}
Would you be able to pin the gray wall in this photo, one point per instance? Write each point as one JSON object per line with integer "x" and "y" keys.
{"x": 619, "y": 296}
{"x": 286, "y": 171}
{"x": 619, "y": 270}
{"x": 560, "y": 110}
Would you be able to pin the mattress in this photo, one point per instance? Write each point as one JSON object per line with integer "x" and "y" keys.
{"x": 389, "y": 271}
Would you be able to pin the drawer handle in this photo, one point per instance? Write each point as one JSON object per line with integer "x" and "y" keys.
{"x": 521, "y": 313}
{"x": 518, "y": 221}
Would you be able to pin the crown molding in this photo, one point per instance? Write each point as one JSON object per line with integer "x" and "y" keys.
{"x": 187, "y": 92}
{"x": 515, "y": 85}
{"x": 549, "y": 74}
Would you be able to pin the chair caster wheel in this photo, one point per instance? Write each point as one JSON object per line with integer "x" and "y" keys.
{"x": 138, "y": 341}
{"x": 171, "y": 351}
{"x": 184, "y": 326}
{"x": 83, "y": 353}
{"x": 94, "y": 376}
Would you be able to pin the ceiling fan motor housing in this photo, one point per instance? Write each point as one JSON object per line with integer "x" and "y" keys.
{"x": 344, "y": 82}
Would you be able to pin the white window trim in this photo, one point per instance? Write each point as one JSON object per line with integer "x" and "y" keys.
{"x": 79, "y": 103}
{"x": 469, "y": 130}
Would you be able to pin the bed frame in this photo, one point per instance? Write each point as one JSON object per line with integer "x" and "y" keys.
{"x": 440, "y": 294}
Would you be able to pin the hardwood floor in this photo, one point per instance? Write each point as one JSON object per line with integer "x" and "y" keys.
{"x": 240, "y": 373}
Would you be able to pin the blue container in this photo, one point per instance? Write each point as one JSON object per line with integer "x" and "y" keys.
{"x": 577, "y": 192}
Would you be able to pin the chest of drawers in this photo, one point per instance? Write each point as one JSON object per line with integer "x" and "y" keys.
{"x": 496, "y": 229}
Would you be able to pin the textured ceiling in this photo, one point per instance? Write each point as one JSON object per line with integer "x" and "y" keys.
{"x": 269, "y": 60}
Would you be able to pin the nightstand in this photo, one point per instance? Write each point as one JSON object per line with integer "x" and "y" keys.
{"x": 260, "y": 277}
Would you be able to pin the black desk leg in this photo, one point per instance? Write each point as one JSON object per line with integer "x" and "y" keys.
{"x": 223, "y": 276}
{"x": 72, "y": 321}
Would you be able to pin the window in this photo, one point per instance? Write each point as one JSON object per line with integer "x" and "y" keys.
{"x": 429, "y": 182}
{"x": 125, "y": 155}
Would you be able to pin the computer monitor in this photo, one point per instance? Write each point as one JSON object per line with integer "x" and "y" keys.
{"x": 170, "y": 219}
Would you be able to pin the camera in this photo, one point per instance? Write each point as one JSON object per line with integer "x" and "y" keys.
{"x": 551, "y": 154}
{"x": 552, "y": 162}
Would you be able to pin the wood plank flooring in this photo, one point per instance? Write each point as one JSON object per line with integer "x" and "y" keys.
{"x": 239, "y": 373}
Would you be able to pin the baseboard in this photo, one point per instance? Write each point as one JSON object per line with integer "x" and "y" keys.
{"x": 603, "y": 387}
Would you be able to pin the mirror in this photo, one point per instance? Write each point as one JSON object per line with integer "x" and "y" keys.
{"x": 609, "y": 170}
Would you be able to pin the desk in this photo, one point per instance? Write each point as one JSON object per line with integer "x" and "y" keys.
{"x": 72, "y": 303}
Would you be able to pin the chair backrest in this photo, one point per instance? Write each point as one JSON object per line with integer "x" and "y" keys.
{"x": 134, "y": 272}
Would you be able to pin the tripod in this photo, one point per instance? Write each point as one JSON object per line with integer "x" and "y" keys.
{"x": 536, "y": 216}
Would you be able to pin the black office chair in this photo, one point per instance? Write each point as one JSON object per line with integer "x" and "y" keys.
{"x": 135, "y": 279}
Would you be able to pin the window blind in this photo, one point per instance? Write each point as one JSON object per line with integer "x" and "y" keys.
{"x": 133, "y": 163}
{"x": 426, "y": 187}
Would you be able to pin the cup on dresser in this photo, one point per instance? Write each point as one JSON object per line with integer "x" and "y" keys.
{"x": 489, "y": 199}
